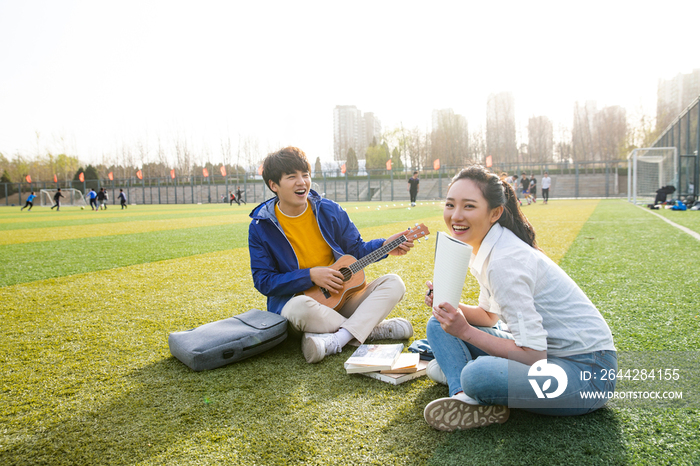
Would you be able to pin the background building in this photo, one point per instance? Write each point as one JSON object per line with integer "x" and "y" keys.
{"x": 674, "y": 95}
{"x": 352, "y": 129}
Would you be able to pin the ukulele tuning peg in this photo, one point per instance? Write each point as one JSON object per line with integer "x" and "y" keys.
{"x": 427, "y": 238}
{"x": 416, "y": 224}
{"x": 419, "y": 241}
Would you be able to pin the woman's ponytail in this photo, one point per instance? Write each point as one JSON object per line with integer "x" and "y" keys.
{"x": 514, "y": 219}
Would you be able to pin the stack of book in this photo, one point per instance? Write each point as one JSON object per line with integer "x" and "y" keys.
{"x": 386, "y": 363}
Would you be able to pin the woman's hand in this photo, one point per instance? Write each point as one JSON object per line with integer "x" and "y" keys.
{"x": 429, "y": 294}
{"x": 452, "y": 320}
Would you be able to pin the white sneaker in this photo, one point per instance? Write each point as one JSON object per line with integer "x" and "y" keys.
{"x": 392, "y": 329}
{"x": 434, "y": 372}
{"x": 317, "y": 346}
{"x": 455, "y": 413}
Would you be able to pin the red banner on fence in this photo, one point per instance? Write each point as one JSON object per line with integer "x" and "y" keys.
{"x": 489, "y": 161}
{"x": 260, "y": 170}
{"x": 436, "y": 164}
{"x": 388, "y": 164}
{"x": 223, "y": 170}
{"x": 81, "y": 177}
{"x": 172, "y": 174}
{"x": 28, "y": 178}
{"x": 111, "y": 176}
{"x": 55, "y": 178}
{"x": 205, "y": 172}
{"x": 342, "y": 169}
{"x": 139, "y": 174}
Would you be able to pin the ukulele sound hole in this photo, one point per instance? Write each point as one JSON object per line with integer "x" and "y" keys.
{"x": 347, "y": 273}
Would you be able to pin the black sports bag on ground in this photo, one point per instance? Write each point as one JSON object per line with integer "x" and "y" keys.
{"x": 219, "y": 343}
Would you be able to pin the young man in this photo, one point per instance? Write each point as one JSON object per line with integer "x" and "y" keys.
{"x": 93, "y": 199}
{"x": 413, "y": 183}
{"x": 30, "y": 202}
{"x": 57, "y": 199}
{"x": 525, "y": 187}
{"x": 546, "y": 183}
{"x": 101, "y": 199}
{"x": 239, "y": 195}
{"x": 293, "y": 238}
{"x": 533, "y": 188}
{"x": 122, "y": 198}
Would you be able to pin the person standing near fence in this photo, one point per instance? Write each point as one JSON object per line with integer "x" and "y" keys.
{"x": 57, "y": 199}
{"x": 122, "y": 198}
{"x": 30, "y": 202}
{"x": 413, "y": 187}
{"x": 546, "y": 183}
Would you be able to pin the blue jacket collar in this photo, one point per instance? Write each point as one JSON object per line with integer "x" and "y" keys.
{"x": 266, "y": 209}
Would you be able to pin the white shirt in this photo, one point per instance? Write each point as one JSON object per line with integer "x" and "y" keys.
{"x": 542, "y": 306}
{"x": 546, "y": 182}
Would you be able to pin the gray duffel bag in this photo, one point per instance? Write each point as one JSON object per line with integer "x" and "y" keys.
{"x": 219, "y": 343}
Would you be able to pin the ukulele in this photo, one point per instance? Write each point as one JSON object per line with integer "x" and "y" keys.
{"x": 354, "y": 276}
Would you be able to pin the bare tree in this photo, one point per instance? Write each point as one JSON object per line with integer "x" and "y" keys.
{"x": 611, "y": 133}
{"x": 582, "y": 132}
{"x": 449, "y": 138}
{"x": 540, "y": 137}
{"x": 501, "y": 141}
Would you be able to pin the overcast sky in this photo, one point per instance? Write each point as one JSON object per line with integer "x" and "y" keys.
{"x": 103, "y": 73}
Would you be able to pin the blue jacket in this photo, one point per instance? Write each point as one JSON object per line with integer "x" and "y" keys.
{"x": 274, "y": 263}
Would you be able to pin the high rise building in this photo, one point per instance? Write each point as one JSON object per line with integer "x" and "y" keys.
{"x": 352, "y": 129}
{"x": 500, "y": 128}
{"x": 674, "y": 95}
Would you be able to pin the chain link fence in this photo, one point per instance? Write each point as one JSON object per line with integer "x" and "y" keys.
{"x": 569, "y": 180}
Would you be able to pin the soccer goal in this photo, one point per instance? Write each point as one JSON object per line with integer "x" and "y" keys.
{"x": 70, "y": 197}
{"x": 649, "y": 169}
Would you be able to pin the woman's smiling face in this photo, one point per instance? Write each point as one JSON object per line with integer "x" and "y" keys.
{"x": 467, "y": 213}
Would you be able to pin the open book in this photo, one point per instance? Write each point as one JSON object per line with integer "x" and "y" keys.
{"x": 451, "y": 265}
{"x": 367, "y": 358}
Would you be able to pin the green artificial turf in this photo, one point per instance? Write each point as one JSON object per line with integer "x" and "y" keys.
{"x": 55, "y": 257}
{"x": 86, "y": 376}
{"x": 687, "y": 218}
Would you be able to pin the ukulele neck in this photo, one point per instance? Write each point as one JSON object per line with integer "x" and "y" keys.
{"x": 374, "y": 256}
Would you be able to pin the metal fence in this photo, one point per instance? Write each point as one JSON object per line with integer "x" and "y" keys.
{"x": 684, "y": 134}
{"x": 569, "y": 180}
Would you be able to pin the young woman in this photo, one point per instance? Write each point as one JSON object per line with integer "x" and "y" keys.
{"x": 556, "y": 335}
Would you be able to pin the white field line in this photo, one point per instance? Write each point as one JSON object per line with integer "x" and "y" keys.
{"x": 680, "y": 227}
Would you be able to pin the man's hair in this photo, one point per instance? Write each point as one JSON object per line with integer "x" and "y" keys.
{"x": 283, "y": 162}
{"x": 415, "y": 173}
